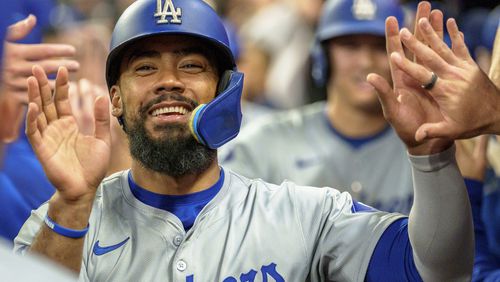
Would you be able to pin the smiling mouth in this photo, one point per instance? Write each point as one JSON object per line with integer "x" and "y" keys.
{"x": 169, "y": 111}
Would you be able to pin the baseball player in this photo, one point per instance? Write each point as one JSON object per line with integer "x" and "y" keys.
{"x": 338, "y": 143}
{"x": 176, "y": 215}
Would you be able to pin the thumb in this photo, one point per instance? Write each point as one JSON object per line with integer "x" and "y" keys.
{"x": 21, "y": 29}
{"x": 102, "y": 119}
{"x": 432, "y": 130}
{"x": 384, "y": 91}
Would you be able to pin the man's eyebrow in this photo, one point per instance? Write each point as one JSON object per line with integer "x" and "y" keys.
{"x": 137, "y": 54}
{"x": 191, "y": 50}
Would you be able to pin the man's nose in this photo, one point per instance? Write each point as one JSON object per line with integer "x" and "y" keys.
{"x": 366, "y": 56}
{"x": 168, "y": 81}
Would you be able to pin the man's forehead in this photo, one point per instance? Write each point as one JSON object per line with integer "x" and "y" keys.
{"x": 165, "y": 43}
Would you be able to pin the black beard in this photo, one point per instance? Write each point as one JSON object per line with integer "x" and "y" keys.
{"x": 176, "y": 153}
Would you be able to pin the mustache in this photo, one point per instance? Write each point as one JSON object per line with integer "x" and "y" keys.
{"x": 167, "y": 97}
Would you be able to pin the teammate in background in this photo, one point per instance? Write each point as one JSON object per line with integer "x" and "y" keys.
{"x": 340, "y": 142}
{"x": 459, "y": 86}
{"x": 472, "y": 161}
{"x": 15, "y": 268}
{"x": 17, "y": 198}
{"x": 176, "y": 215}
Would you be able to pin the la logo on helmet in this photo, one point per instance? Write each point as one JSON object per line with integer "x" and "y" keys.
{"x": 364, "y": 9}
{"x": 167, "y": 10}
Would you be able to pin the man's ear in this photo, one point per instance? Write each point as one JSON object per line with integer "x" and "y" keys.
{"x": 116, "y": 101}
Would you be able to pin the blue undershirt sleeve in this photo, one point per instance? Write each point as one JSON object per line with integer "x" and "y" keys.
{"x": 486, "y": 265}
{"x": 392, "y": 259}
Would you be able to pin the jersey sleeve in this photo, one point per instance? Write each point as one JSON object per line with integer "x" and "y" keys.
{"x": 340, "y": 234}
{"x": 31, "y": 227}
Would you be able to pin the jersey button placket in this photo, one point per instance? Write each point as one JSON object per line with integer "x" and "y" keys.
{"x": 177, "y": 240}
{"x": 181, "y": 265}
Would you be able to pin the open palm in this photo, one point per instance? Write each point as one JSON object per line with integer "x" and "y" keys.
{"x": 75, "y": 163}
{"x": 406, "y": 105}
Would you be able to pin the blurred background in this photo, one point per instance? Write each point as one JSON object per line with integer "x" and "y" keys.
{"x": 272, "y": 39}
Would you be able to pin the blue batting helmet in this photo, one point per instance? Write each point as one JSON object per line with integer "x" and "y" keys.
{"x": 146, "y": 18}
{"x": 350, "y": 17}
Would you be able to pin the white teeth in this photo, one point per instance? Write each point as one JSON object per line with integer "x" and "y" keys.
{"x": 167, "y": 110}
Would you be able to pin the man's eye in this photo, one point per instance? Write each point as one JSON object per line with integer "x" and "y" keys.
{"x": 191, "y": 66}
{"x": 144, "y": 68}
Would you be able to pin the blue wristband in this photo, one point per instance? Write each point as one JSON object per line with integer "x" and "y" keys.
{"x": 71, "y": 233}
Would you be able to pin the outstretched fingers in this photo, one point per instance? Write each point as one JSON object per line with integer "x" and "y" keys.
{"x": 417, "y": 72}
{"x": 61, "y": 99}
{"x": 423, "y": 11}
{"x": 427, "y": 57}
{"x": 32, "y": 126}
{"x": 48, "y": 107}
{"x": 457, "y": 41}
{"x": 435, "y": 41}
{"x": 387, "y": 97}
{"x": 393, "y": 42}
{"x": 34, "y": 97}
{"x": 436, "y": 20}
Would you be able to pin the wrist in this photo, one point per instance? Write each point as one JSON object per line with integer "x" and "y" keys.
{"x": 64, "y": 231}
{"x": 430, "y": 147}
{"x": 70, "y": 214}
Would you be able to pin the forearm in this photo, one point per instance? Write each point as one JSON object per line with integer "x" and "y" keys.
{"x": 440, "y": 223}
{"x": 61, "y": 249}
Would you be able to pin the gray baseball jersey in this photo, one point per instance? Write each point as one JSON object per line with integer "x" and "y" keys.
{"x": 301, "y": 146}
{"x": 250, "y": 231}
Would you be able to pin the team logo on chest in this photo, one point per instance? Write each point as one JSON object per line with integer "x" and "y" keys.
{"x": 364, "y": 9}
{"x": 166, "y": 9}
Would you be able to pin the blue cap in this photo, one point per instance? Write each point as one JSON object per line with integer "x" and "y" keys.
{"x": 146, "y": 18}
{"x": 349, "y": 17}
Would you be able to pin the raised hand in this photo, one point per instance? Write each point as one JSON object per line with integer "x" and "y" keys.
{"x": 405, "y": 104}
{"x": 20, "y": 58}
{"x": 468, "y": 101}
{"x": 17, "y": 64}
{"x": 75, "y": 163}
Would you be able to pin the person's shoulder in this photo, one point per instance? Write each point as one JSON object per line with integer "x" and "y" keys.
{"x": 283, "y": 123}
{"x": 113, "y": 183}
{"x": 287, "y": 187}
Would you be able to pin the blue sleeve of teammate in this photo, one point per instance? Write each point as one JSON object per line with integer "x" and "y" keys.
{"x": 392, "y": 259}
{"x": 490, "y": 211}
{"x": 486, "y": 265}
{"x": 14, "y": 210}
